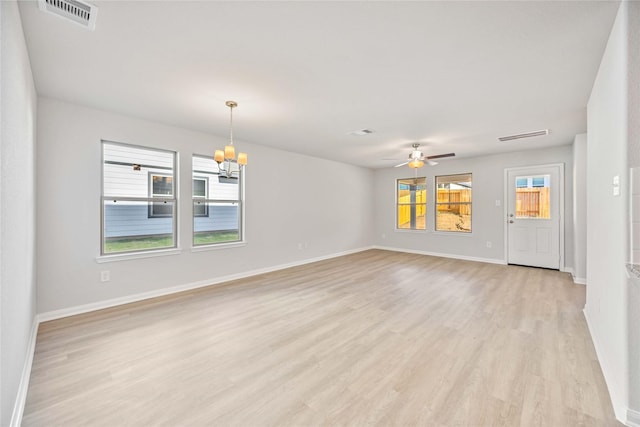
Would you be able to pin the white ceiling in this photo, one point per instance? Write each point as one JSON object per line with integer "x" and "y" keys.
{"x": 451, "y": 75}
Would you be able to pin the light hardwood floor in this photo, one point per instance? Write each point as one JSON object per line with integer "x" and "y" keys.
{"x": 376, "y": 337}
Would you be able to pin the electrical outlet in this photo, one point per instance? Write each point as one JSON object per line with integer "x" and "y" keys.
{"x": 105, "y": 276}
{"x": 489, "y": 244}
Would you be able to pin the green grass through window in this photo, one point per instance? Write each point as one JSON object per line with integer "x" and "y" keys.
{"x": 124, "y": 244}
{"x": 205, "y": 238}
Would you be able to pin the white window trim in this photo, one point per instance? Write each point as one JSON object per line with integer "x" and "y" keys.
{"x": 241, "y": 222}
{"x": 217, "y": 246}
{"x": 137, "y": 255}
{"x": 148, "y": 253}
{"x": 435, "y": 208}
{"x": 396, "y": 204}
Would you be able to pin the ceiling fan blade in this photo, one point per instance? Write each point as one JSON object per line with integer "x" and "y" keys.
{"x": 401, "y": 164}
{"x": 441, "y": 156}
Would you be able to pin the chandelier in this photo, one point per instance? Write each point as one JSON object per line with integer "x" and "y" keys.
{"x": 227, "y": 157}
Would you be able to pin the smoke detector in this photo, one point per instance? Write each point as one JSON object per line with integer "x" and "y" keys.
{"x": 81, "y": 13}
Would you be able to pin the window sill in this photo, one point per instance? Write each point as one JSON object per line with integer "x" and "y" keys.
{"x": 137, "y": 255}
{"x": 215, "y": 247}
{"x": 452, "y": 233}
{"x": 435, "y": 233}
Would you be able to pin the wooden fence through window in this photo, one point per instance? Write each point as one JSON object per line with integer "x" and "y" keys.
{"x": 405, "y": 206}
{"x": 455, "y": 201}
{"x": 532, "y": 202}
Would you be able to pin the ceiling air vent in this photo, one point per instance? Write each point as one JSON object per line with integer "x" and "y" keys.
{"x": 73, "y": 10}
{"x": 361, "y": 132}
{"x": 524, "y": 135}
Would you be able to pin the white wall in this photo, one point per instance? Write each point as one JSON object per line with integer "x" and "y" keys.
{"x": 633, "y": 152}
{"x": 580, "y": 208}
{"x": 607, "y": 215}
{"x": 290, "y": 199}
{"x": 487, "y": 219}
{"x": 17, "y": 202}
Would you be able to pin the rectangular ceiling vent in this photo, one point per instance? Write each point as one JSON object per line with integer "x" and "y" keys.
{"x": 79, "y": 12}
{"x": 524, "y": 135}
{"x": 361, "y": 132}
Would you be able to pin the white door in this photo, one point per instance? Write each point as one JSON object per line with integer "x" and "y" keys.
{"x": 533, "y": 216}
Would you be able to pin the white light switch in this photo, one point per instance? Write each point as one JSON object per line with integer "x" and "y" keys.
{"x": 616, "y": 185}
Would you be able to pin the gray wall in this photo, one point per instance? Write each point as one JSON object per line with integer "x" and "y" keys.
{"x": 580, "y": 208}
{"x": 487, "y": 218}
{"x": 608, "y": 295}
{"x": 292, "y": 202}
{"x": 17, "y": 207}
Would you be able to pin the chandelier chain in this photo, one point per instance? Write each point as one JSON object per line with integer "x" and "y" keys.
{"x": 231, "y": 124}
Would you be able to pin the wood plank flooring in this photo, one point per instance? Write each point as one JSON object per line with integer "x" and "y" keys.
{"x": 376, "y": 338}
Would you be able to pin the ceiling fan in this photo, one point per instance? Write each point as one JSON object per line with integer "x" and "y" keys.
{"x": 417, "y": 159}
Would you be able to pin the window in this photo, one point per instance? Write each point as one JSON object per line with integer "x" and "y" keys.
{"x": 453, "y": 203}
{"x": 138, "y": 199}
{"x": 533, "y": 197}
{"x": 160, "y": 186}
{"x": 200, "y": 186}
{"x": 217, "y": 203}
{"x": 411, "y": 201}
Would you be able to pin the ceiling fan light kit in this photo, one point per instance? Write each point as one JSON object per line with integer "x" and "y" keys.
{"x": 417, "y": 159}
{"x": 416, "y": 163}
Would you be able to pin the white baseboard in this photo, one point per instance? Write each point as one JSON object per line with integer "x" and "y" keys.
{"x": 21, "y": 398}
{"x": 633, "y": 418}
{"x": 619, "y": 408}
{"x": 576, "y": 280}
{"x": 443, "y": 255}
{"x": 99, "y": 305}
{"x": 579, "y": 280}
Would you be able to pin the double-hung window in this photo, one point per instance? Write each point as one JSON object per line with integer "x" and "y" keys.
{"x": 453, "y": 203}
{"x": 138, "y": 198}
{"x": 217, "y": 203}
{"x": 411, "y": 203}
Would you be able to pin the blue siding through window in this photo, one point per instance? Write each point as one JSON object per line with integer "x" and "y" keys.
{"x": 129, "y": 219}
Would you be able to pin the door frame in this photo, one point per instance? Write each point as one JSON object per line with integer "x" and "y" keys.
{"x": 561, "y": 208}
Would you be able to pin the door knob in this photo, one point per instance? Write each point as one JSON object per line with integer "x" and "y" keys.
{"x": 510, "y": 221}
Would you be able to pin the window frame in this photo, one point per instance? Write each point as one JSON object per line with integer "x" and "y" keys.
{"x": 436, "y": 204}
{"x": 138, "y": 253}
{"x": 240, "y": 202}
{"x": 398, "y": 204}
